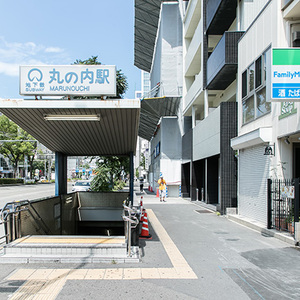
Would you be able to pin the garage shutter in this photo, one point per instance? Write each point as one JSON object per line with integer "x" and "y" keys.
{"x": 253, "y": 175}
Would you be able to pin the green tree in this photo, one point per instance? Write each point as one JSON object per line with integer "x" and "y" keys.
{"x": 16, "y": 150}
{"x": 109, "y": 172}
{"x": 122, "y": 84}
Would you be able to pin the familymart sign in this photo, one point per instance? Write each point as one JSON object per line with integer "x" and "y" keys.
{"x": 285, "y": 76}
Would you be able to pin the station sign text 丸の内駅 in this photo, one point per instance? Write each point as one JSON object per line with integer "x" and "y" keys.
{"x": 285, "y": 74}
{"x": 83, "y": 80}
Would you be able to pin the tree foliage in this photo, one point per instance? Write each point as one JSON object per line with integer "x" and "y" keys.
{"x": 122, "y": 84}
{"x": 16, "y": 150}
{"x": 109, "y": 173}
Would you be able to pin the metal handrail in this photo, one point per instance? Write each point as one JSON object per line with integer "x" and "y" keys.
{"x": 14, "y": 209}
{"x": 132, "y": 221}
{"x": 3, "y": 236}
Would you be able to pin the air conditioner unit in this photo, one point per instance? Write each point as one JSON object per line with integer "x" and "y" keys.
{"x": 295, "y": 35}
{"x": 296, "y": 38}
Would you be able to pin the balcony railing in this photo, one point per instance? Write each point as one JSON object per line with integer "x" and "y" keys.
{"x": 219, "y": 15}
{"x": 222, "y": 63}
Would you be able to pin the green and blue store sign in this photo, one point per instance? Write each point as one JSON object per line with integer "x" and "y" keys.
{"x": 285, "y": 78}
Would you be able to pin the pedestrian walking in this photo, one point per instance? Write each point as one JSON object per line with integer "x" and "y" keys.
{"x": 162, "y": 189}
{"x": 141, "y": 184}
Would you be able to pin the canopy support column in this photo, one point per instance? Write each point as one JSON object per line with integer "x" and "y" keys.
{"x": 60, "y": 174}
{"x": 131, "y": 181}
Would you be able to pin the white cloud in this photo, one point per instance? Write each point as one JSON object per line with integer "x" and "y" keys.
{"x": 9, "y": 69}
{"x": 53, "y": 50}
{"x": 14, "y": 54}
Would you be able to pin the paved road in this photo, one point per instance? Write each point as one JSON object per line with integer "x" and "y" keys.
{"x": 227, "y": 261}
{"x": 27, "y": 192}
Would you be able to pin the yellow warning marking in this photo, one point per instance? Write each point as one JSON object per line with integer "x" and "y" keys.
{"x": 95, "y": 274}
{"x": 39, "y": 289}
{"x": 44, "y": 240}
{"x": 113, "y": 274}
{"x": 47, "y": 283}
{"x": 132, "y": 273}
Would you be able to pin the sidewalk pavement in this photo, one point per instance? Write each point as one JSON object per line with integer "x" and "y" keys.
{"x": 193, "y": 254}
{"x": 245, "y": 221}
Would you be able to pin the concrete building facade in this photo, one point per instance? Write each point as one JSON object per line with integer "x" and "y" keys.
{"x": 227, "y": 117}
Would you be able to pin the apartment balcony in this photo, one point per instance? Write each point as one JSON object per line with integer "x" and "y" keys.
{"x": 291, "y": 9}
{"x": 223, "y": 62}
{"x": 193, "y": 55}
{"x": 195, "y": 89}
{"x": 219, "y": 15}
{"x": 192, "y": 17}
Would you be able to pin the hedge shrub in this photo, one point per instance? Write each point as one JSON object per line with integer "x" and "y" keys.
{"x": 11, "y": 180}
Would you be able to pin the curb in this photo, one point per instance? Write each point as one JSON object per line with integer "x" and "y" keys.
{"x": 269, "y": 232}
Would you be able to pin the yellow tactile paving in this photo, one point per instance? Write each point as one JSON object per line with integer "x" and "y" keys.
{"x": 39, "y": 289}
{"x": 132, "y": 273}
{"x": 95, "y": 274}
{"x": 40, "y": 273}
{"x": 77, "y": 274}
{"x": 113, "y": 274}
{"x": 52, "y": 240}
{"x": 47, "y": 283}
{"x": 150, "y": 273}
{"x": 58, "y": 274}
{"x": 21, "y": 274}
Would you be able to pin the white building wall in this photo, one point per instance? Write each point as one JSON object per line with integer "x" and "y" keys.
{"x": 167, "y": 62}
{"x": 249, "y": 11}
{"x": 206, "y": 136}
{"x": 168, "y": 161}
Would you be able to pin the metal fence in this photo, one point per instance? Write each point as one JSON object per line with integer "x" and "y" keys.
{"x": 283, "y": 204}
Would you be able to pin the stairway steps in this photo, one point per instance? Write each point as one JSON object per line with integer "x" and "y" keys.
{"x": 67, "y": 249}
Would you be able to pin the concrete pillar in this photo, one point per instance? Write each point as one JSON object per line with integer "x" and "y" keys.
{"x": 194, "y": 109}
{"x": 206, "y": 105}
{"x": 131, "y": 181}
{"x": 60, "y": 174}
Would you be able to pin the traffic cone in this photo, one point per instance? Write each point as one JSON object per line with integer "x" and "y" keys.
{"x": 157, "y": 193}
{"x": 145, "y": 230}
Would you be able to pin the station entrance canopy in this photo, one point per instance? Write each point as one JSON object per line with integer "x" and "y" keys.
{"x": 78, "y": 127}
{"x": 152, "y": 109}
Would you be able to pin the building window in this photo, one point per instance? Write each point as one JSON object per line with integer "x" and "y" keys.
{"x": 258, "y": 74}
{"x": 251, "y": 78}
{"x": 254, "y": 100}
{"x": 248, "y": 110}
{"x": 244, "y": 84}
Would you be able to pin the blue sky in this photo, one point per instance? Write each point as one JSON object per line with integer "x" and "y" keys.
{"x": 57, "y": 32}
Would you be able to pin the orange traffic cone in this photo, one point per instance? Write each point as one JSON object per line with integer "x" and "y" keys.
{"x": 157, "y": 193}
{"x": 145, "y": 230}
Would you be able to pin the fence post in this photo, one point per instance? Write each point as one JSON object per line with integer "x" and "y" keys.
{"x": 297, "y": 200}
{"x": 269, "y": 204}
